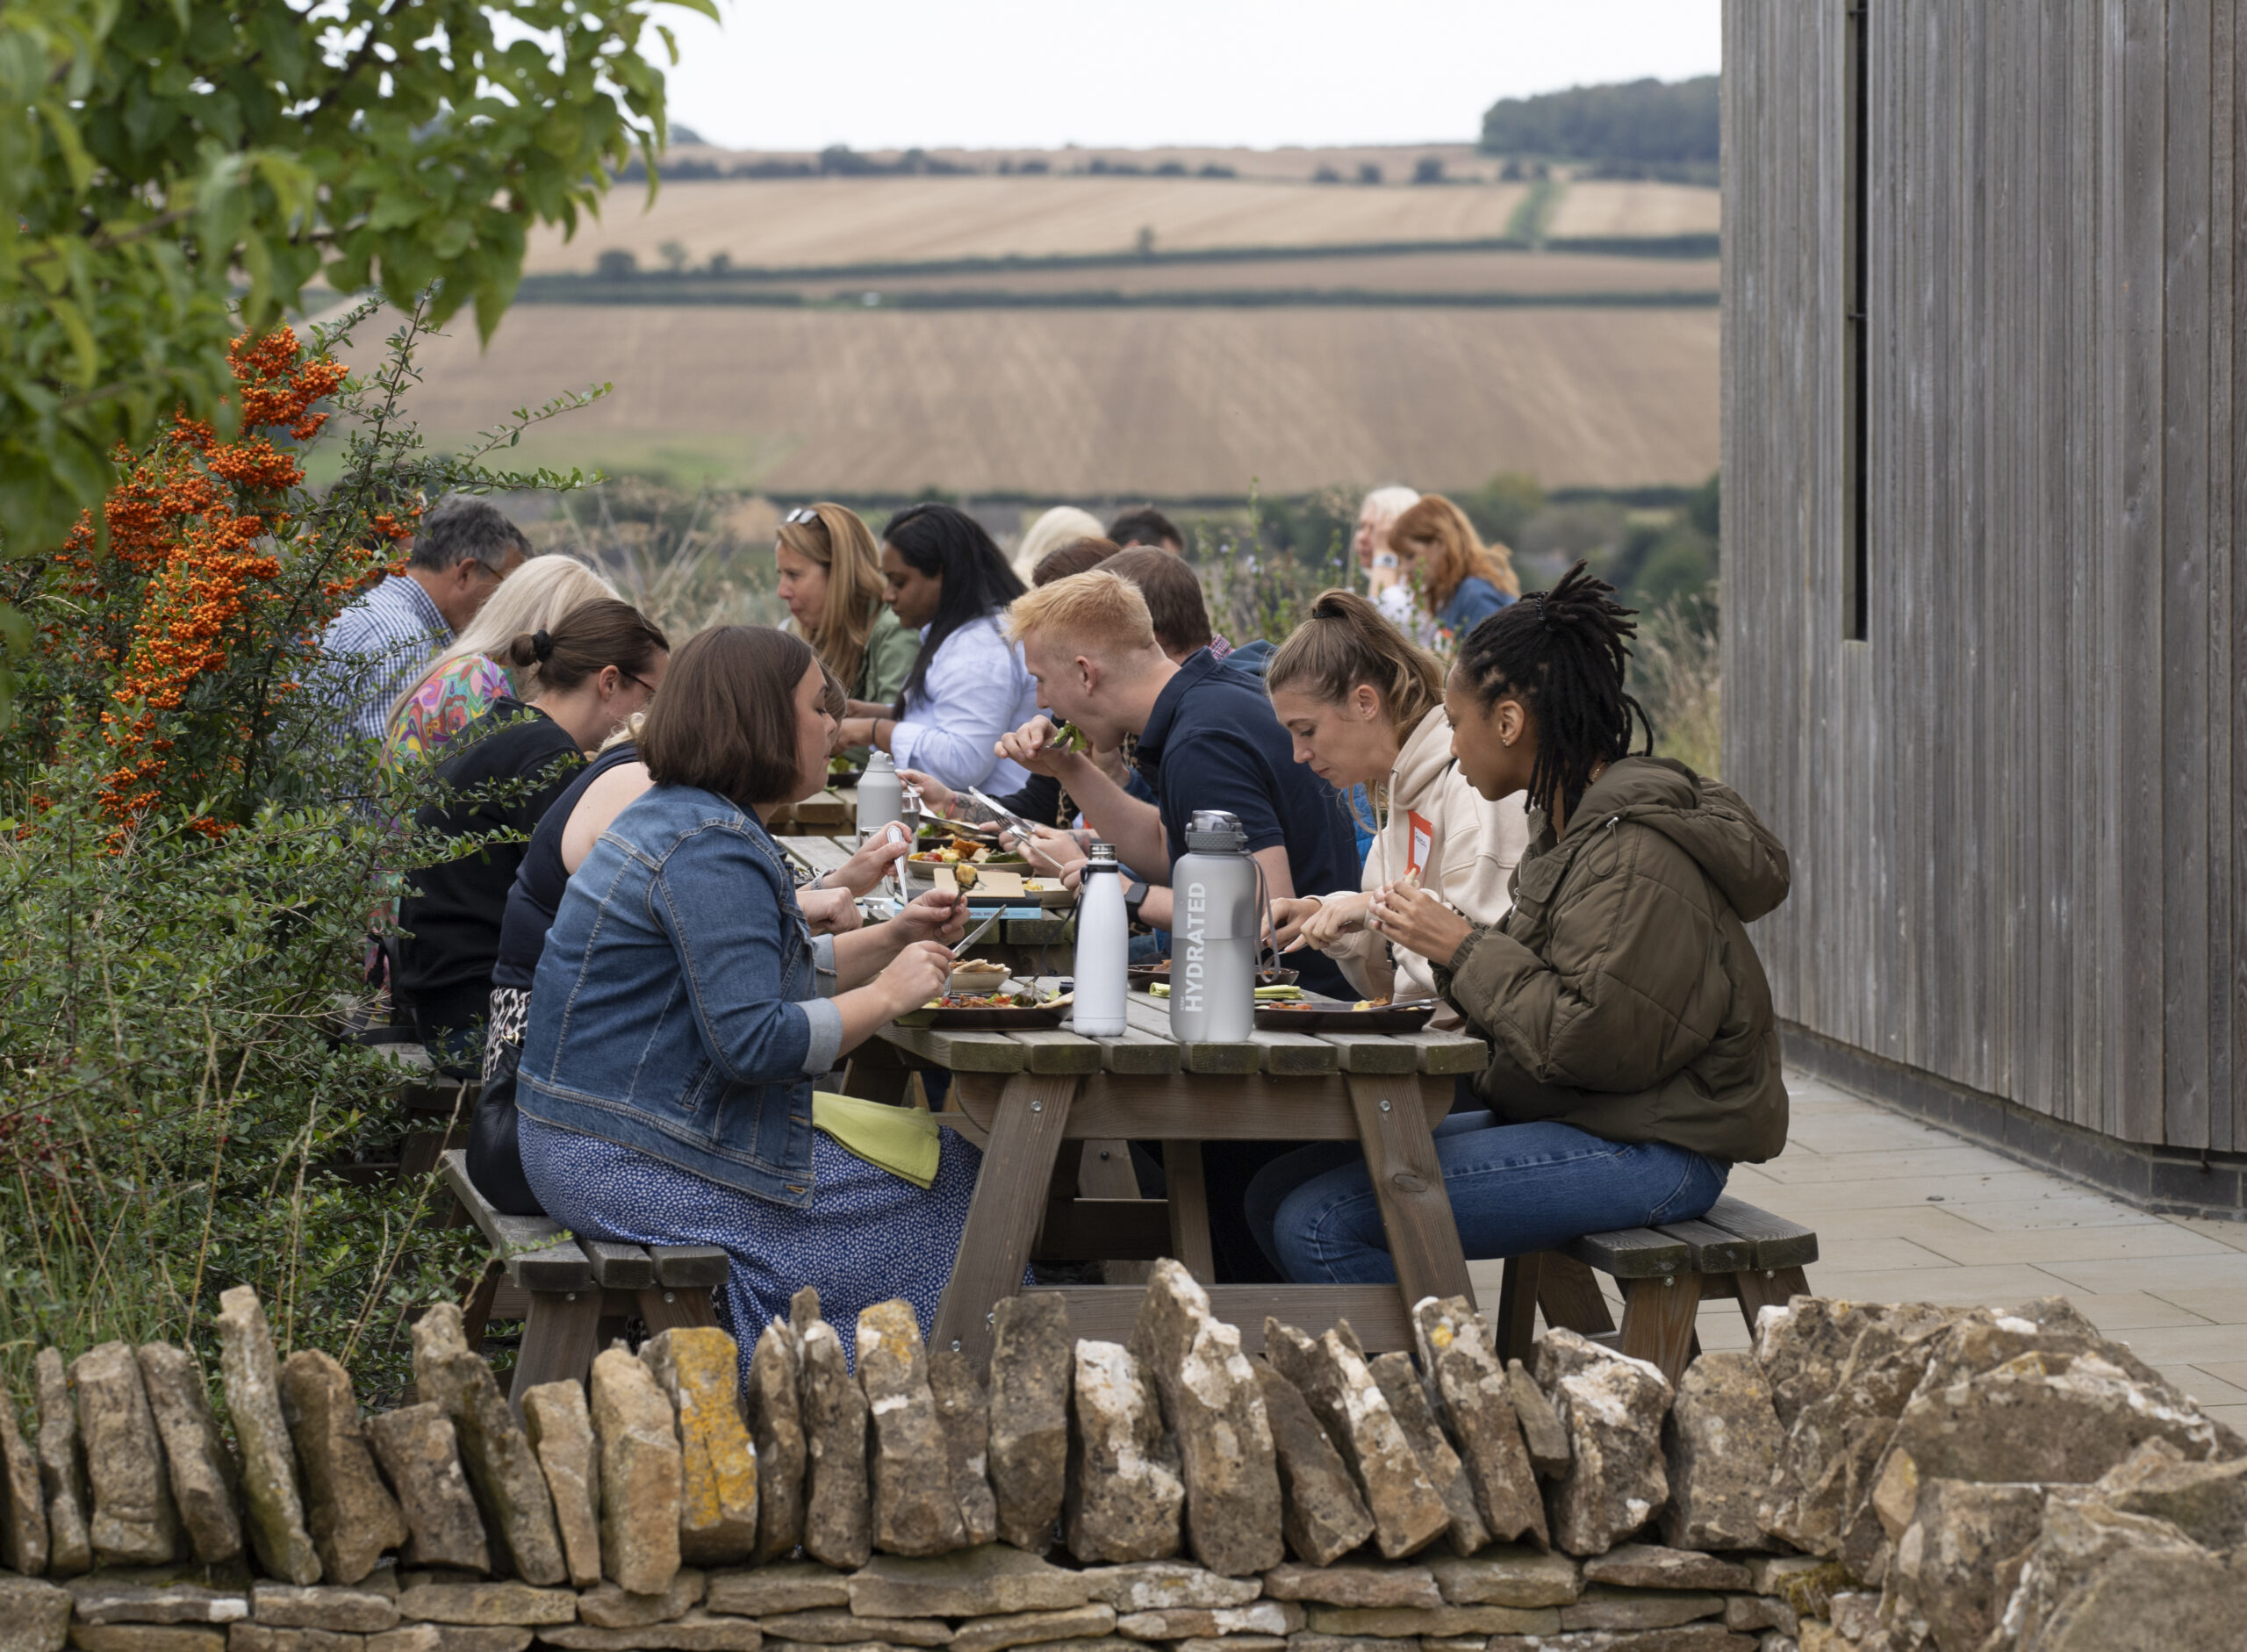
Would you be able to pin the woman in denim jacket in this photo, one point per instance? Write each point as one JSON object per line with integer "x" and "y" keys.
{"x": 681, "y": 1011}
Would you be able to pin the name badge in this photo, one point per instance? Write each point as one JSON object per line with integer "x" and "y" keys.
{"x": 1421, "y": 832}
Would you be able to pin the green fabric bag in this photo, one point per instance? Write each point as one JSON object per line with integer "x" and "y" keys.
{"x": 903, "y": 1140}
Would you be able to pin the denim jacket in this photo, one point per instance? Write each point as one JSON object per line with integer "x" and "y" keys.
{"x": 680, "y": 1006}
{"x": 1475, "y": 600}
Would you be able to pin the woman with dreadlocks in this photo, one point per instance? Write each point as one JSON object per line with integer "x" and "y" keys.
{"x": 1634, "y": 1055}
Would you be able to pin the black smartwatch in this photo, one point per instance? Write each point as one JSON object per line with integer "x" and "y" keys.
{"x": 1133, "y": 897}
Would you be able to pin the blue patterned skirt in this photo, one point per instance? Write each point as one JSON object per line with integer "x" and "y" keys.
{"x": 866, "y": 1236}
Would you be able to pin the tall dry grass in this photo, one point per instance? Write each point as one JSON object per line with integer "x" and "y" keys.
{"x": 1678, "y": 675}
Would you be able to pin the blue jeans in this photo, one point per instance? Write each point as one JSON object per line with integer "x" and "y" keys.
{"x": 1514, "y": 1189}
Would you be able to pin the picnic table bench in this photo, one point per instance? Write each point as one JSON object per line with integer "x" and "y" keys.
{"x": 572, "y": 1294}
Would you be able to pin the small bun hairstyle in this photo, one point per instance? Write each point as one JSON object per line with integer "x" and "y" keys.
{"x": 1564, "y": 654}
{"x": 586, "y": 640}
{"x": 1346, "y": 642}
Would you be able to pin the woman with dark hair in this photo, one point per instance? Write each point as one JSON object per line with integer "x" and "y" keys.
{"x": 681, "y": 1012}
{"x": 947, "y": 580}
{"x": 1634, "y": 1058}
{"x": 599, "y": 663}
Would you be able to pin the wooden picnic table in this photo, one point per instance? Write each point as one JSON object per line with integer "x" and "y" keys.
{"x": 1024, "y": 1096}
{"x": 828, "y": 811}
{"x": 1035, "y": 945}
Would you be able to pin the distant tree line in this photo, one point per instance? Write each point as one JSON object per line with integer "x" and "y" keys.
{"x": 1644, "y": 124}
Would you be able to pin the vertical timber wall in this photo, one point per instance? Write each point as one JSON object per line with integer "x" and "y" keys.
{"x": 2018, "y": 807}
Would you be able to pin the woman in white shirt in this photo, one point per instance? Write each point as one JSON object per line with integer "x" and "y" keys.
{"x": 1364, "y": 704}
{"x": 945, "y": 578}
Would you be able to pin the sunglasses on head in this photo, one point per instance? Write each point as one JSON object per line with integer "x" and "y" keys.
{"x": 802, "y": 514}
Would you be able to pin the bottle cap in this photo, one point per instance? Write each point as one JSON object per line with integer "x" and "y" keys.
{"x": 1216, "y": 830}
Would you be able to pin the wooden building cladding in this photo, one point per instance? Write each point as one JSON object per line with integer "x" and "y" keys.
{"x": 2018, "y": 807}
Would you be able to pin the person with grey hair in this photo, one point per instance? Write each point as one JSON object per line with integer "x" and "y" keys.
{"x": 375, "y": 647}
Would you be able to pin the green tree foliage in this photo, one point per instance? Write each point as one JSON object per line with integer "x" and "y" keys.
{"x": 179, "y": 169}
{"x": 1502, "y": 506}
{"x": 1642, "y": 121}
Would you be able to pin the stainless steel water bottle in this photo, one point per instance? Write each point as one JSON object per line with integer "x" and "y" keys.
{"x": 882, "y": 794}
{"x": 1213, "y": 932}
{"x": 1104, "y": 948}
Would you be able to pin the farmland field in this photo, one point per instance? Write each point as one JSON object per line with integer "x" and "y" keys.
{"x": 1098, "y": 403}
{"x": 834, "y": 220}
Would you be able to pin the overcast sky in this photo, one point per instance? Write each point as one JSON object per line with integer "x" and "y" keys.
{"x": 887, "y": 74}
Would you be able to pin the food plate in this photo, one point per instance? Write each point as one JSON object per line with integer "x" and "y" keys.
{"x": 1337, "y": 1015}
{"x": 971, "y": 1012}
{"x": 1142, "y": 976}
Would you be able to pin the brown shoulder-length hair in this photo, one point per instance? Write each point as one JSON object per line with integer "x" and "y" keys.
{"x": 1453, "y": 553}
{"x": 725, "y": 720}
{"x": 839, "y": 542}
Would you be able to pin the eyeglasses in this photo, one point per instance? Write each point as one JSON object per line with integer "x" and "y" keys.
{"x": 642, "y": 681}
{"x": 802, "y": 514}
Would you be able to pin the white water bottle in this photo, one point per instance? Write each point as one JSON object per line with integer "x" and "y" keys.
{"x": 1104, "y": 948}
{"x": 1215, "y": 931}
{"x": 882, "y": 794}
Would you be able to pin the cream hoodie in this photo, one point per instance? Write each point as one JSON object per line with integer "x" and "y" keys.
{"x": 1466, "y": 860}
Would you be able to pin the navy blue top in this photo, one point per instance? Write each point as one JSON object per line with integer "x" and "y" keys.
{"x": 541, "y": 878}
{"x": 1212, "y": 741}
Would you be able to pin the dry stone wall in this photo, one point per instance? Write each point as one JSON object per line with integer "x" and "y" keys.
{"x": 1878, "y": 1478}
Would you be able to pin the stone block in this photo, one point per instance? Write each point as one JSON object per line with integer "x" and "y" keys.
{"x": 1355, "y": 1586}
{"x": 1476, "y": 1398}
{"x": 846, "y": 1628}
{"x": 1650, "y": 1566}
{"x": 609, "y": 1607}
{"x": 22, "y": 1506}
{"x": 274, "y": 1511}
{"x": 146, "y": 1637}
{"x": 133, "y": 1520}
{"x": 1311, "y": 1641}
{"x": 1215, "y": 1407}
{"x": 353, "y": 1517}
{"x": 1124, "y": 1496}
{"x": 1332, "y": 1375}
{"x": 423, "y": 1598}
{"x": 1179, "y": 1623}
{"x": 698, "y": 1369}
{"x": 1720, "y": 1445}
{"x": 1153, "y": 1585}
{"x": 695, "y": 1632}
{"x": 1436, "y": 1620}
{"x": 502, "y": 1469}
{"x": 1031, "y": 1369}
{"x": 559, "y": 1425}
{"x": 640, "y": 1475}
{"x": 1613, "y": 1407}
{"x": 970, "y": 1583}
{"x": 837, "y": 1522}
{"x": 1548, "y": 1441}
{"x": 420, "y": 1456}
{"x": 914, "y": 1509}
{"x": 1956, "y": 1561}
{"x": 1748, "y": 1614}
{"x": 1323, "y": 1515}
{"x": 1408, "y": 1401}
{"x": 1234, "y": 1644}
{"x": 776, "y": 1425}
{"x": 34, "y": 1616}
{"x": 61, "y": 1469}
{"x": 103, "y": 1598}
{"x": 264, "y": 1637}
{"x": 2207, "y": 1501}
{"x": 1603, "y": 1607}
{"x": 1033, "y": 1629}
{"x": 205, "y": 1478}
{"x": 452, "y": 1637}
{"x": 783, "y": 1586}
{"x": 1509, "y": 1576}
{"x": 354, "y": 1611}
{"x": 964, "y": 1414}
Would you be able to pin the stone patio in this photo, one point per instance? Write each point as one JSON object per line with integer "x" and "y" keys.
{"x": 1905, "y": 1211}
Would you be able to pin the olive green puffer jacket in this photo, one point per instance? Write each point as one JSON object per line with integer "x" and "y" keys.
{"x": 1622, "y": 995}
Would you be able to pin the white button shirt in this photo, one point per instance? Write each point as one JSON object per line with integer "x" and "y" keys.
{"x": 975, "y": 691}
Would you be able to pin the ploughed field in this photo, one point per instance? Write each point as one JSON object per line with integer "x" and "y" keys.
{"x": 1166, "y": 403}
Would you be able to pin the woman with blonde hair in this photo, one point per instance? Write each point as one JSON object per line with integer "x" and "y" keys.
{"x": 473, "y": 674}
{"x": 1463, "y": 581}
{"x": 830, "y": 580}
{"x": 1364, "y": 705}
{"x": 1050, "y": 532}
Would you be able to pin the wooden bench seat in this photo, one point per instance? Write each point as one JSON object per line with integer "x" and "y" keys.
{"x": 571, "y": 1294}
{"x": 1665, "y": 1274}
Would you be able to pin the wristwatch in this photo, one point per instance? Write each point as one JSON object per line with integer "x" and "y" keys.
{"x": 1133, "y": 898}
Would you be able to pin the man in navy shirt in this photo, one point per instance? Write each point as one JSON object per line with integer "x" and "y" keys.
{"x": 1206, "y": 739}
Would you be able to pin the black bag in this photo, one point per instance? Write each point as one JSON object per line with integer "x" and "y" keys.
{"x": 495, "y": 1160}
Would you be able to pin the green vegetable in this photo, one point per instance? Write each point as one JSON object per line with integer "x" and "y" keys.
{"x": 1068, "y": 737}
